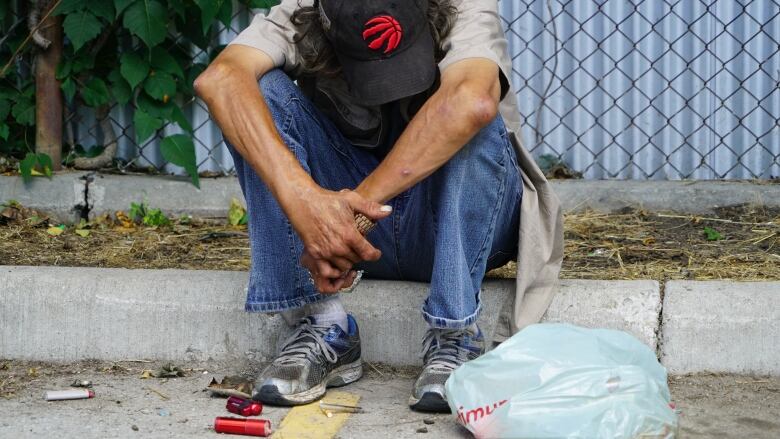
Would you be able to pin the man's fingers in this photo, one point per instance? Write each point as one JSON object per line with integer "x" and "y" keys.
{"x": 371, "y": 209}
{"x": 343, "y": 264}
{"x": 327, "y": 270}
{"x": 363, "y": 248}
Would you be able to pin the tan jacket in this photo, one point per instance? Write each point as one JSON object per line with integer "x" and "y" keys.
{"x": 477, "y": 33}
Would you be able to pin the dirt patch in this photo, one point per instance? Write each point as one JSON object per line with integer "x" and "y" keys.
{"x": 740, "y": 243}
{"x": 714, "y": 406}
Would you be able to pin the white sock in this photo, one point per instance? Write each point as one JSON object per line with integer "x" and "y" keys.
{"x": 329, "y": 311}
{"x": 293, "y": 316}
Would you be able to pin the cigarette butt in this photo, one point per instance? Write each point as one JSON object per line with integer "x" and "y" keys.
{"x": 60, "y": 395}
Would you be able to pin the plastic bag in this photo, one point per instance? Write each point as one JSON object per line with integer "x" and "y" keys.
{"x": 563, "y": 381}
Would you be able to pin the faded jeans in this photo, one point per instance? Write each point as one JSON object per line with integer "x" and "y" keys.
{"x": 448, "y": 230}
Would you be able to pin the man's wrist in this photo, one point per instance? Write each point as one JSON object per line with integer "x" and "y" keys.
{"x": 293, "y": 193}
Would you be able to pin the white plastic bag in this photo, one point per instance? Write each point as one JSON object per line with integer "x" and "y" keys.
{"x": 563, "y": 381}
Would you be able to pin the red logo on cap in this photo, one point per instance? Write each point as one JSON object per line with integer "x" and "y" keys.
{"x": 390, "y": 29}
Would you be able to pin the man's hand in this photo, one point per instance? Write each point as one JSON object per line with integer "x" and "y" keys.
{"x": 325, "y": 221}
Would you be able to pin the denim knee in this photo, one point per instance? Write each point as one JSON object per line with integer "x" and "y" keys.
{"x": 278, "y": 88}
{"x": 484, "y": 155}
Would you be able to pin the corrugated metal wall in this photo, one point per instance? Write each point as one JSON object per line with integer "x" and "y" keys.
{"x": 650, "y": 89}
{"x": 655, "y": 89}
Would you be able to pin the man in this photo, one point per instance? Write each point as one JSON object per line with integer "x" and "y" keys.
{"x": 395, "y": 120}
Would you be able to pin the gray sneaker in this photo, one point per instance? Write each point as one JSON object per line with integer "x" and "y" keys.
{"x": 313, "y": 358}
{"x": 443, "y": 351}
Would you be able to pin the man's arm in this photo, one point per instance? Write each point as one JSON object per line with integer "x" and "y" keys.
{"x": 323, "y": 219}
{"x": 466, "y": 101}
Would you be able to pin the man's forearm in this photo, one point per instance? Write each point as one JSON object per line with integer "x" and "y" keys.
{"x": 466, "y": 101}
{"x": 235, "y": 102}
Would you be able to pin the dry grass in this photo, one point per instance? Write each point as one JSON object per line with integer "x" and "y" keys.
{"x": 633, "y": 244}
{"x": 636, "y": 244}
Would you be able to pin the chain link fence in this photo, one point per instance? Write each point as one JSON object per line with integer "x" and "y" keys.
{"x": 82, "y": 127}
{"x": 655, "y": 89}
{"x": 664, "y": 89}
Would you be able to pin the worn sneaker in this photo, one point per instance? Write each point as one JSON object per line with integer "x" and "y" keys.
{"x": 313, "y": 358}
{"x": 443, "y": 351}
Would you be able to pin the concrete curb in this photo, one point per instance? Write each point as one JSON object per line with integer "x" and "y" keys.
{"x": 721, "y": 327}
{"x": 65, "y": 314}
{"x": 69, "y": 192}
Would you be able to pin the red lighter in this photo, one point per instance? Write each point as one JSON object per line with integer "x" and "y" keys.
{"x": 247, "y": 427}
{"x": 243, "y": 407}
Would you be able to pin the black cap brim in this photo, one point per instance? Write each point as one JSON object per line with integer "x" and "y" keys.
{"x": 405, "y": 74}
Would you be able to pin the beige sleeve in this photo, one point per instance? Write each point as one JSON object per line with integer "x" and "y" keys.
{"x": 477, "y": 33}
{"x": 274, "y": 33}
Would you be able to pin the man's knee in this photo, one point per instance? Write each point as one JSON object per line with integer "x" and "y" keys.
{"x": 277, "y": 87}
{"x": 487, "y": 147}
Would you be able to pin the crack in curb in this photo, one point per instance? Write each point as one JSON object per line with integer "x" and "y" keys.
{"x": 83, "y": 209}
{"x": 659, "y": 331}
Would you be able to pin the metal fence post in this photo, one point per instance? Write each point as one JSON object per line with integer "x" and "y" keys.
{"x": 48, "y": 97}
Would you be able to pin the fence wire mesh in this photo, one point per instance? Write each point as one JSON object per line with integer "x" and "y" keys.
{"x": 650, "y": 89}
{"x": 654, "y": 89}
{"x": 83, "y": 128}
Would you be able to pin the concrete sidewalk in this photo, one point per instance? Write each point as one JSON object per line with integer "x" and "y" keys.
{"x": 711, "y": 406}
{"x": 65, "y": 314}
{"x": 72, "y": 193}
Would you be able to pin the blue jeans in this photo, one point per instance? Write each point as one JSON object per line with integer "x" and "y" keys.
{"x": 448, "y": 229}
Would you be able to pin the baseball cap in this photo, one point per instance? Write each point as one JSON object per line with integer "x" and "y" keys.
{"x": 385, "y": 47}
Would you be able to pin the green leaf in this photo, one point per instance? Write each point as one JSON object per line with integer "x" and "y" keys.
{"x": 68, "y": 6}
{"x": 262, "y": 4}
{"x": 81, "y": 27}
{"x": 26, "y": 166}
{"x": 178, "y": 7}
{"x": 147, "y": 19}
{"x": 31, "y": 161}
{"x": 24, "y": 112}
{"x": 95, "y": 93}
{"x": 712, "y": 234}
{"x": 208, "y": 12}
{"x": 225, "y": 14}
{"x": 163, "y": 61}
{"x": 178, "y": 117}
{"x": 179, "y": 150}
{"x": 155, "y": 108}
{"x": 83, "y": 61}
{"x": 103, "y": 9}
{"x": 145, "y": 125}
{"x": 160, "y": 86}
{"x": 5, "y": 108}
{"x": 68, "y": 87}
{"x": 192, "y": 73}
{"x": 236, "y": 213}
{"x": 5, "y": 130}
{"x": 155, "y": 217}
{"x": 137, "y": 210}
{"x": 121, "y": 5}
{"x": 44, "y": 163}
{"x": 121, "y": 90}
{"x": 134, "y": 69}
{"x": 63, "y": 69}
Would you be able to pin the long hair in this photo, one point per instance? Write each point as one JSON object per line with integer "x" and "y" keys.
{"x": 316, "y": 52}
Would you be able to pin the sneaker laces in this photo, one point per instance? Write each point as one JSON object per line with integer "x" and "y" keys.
{"x": 442, "y": 351}
{"x": 306, "y": 342}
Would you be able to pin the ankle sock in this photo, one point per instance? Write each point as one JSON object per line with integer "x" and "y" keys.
{"x": 293, "y": 316}
{"x": 329, "y": 311}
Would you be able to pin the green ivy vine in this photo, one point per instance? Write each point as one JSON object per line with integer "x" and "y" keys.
{"x": 137, "y": 52}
